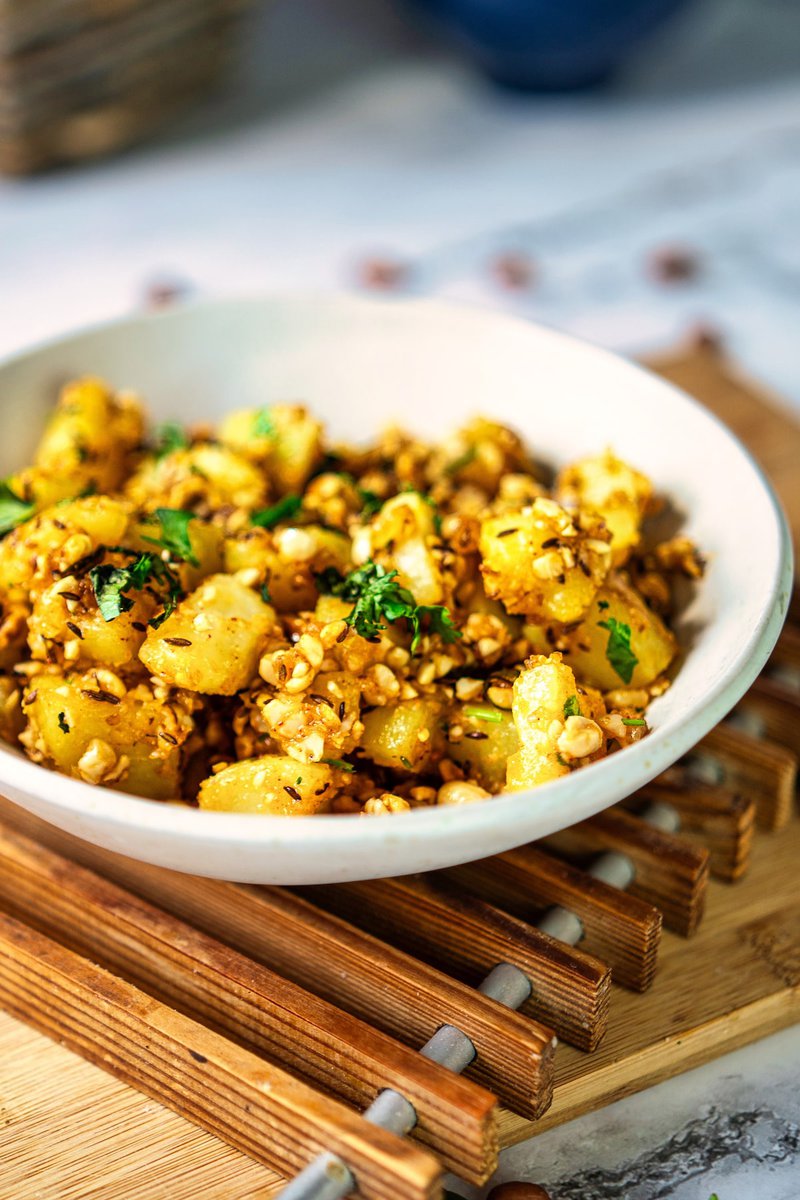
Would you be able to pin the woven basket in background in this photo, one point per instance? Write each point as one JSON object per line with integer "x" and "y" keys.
{"x": 80, "y": 78}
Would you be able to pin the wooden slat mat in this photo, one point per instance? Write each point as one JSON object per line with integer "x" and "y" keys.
{"x": 270, "y": 1019}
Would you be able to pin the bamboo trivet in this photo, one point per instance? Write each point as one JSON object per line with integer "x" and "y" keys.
{"x": 202, "y": 1028}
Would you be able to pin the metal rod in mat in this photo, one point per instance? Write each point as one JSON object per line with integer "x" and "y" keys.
{"x": 327, "y": 1177}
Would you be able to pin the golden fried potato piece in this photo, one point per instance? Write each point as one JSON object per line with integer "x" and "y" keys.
{"x": 541, "y": 562}
{"x": 212, "y": 642}
{"x": 620, "y": 494}
{"x": 620, "y": 641}
{"x": 275, "y": 785}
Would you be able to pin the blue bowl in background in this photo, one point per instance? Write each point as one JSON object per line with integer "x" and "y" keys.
{"x": 547, "y": 45}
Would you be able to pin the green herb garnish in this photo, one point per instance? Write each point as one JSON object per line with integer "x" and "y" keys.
{"x": 633, "y": 721}
{"x": 169, "y": 437}
{"x": 13, "y": 509}
{"x": 174, "y": 537}
{"x": 265, "y": 596}
{"x": 284, "y": 510}
{"x": 572, "y": 707}
{"x": 379, "y": 598}
{"x": 263, "y": 424}
{"x": 337, "y": 762}
{"x": 602, "y": 604}
{"x": 111, "y": 584}
{"x": 462, "y": 461}
{"x": 618, "y": 648}
{"x": 62, "y": 723}
{"x": 483, "y": 714}
{"x": 406, "y": 763}
{"x": 371, "y": 502}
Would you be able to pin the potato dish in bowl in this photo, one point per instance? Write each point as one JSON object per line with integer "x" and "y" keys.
{"x": 249, "y": 619}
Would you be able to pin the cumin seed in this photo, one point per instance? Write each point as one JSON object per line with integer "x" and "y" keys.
{"x": 173, "y": 741}
{"x": 103, "y": 697}
{"x": 70, "y": 596}
{"x": 178, "y": 641}
{"x": 341, "y": 710}
{"x": 73, "y": 628}
{"x": 508, "y": 532}
{"x": 322, "y": 699}
{"x": 293, "y": 792}
{"x": 343, "y": 634}
{"x": 476, "y": 735}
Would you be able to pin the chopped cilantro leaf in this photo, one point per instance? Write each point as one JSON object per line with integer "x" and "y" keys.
{"x": 618, "y": 648}
{"x": 406, "y": 763}
{"x": 602, "y": 604}
{"x": 483, "y": 714}
{"x": 174, "y": 537}
{"x": 263, "y": 424}
{"x": 371, "y": 502}
{"x": 633, "y": 721}
{"x": 62, "y": 723}
{"x": 111, "y": 584}
{"x": 380, "y": 598}
{"x": 13, "y": 509}
{"x": 169, "y": 437}
{"x": 265, "y": 596}
{"x": 572, "y": 707}
{"x": 337, "y": 762}
{"x": 284, "y": 510}
{"x": 561, "y": 762}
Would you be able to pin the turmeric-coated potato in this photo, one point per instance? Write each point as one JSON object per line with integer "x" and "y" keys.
{"x": 213, "y": 640}
{"x": 619, "y": 493}
{"x": 620, "y": 643}
{"x": 274, "y": 785}
{"x": 541, "y": 699}
{"x": 541, "y": 563}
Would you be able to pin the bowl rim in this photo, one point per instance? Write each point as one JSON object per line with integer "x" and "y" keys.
{"x": 122, "y": 810}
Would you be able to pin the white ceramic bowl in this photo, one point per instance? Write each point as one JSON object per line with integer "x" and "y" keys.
{"x": 360, "y": 363}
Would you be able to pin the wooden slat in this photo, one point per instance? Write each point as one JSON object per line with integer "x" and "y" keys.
{"x": 720, "y": 820}
{"x": 252, "y": 1104}
{"x": 756, "y": 768}
{"x": 353, "y": 970}
{"x": 787, "y": 649}
{"x": 465, "y": 936}
{"x": 620, "y": 929}
{"x": 216, "y": 985}
{"x": 671, "y": 873}
{"x": 736, "y": 980}
{"x": 776, "y": 708}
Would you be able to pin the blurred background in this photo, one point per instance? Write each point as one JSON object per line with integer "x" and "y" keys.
{"x": 628, "y": 170}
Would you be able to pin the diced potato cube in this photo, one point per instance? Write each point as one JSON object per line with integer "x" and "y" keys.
{"x": 58, "y": 536}
{"x": 398, "y": 539}
{"x": 486, "y": 746}
{"x": 273, "y": 785}
{"x": 405, "y": 736}
{"x": 618, "y": 492}
{"x": 87, "y": 444}
{"x": 541, "y": 692}
{"x": 132, "y": 744}
{"x": 202, "y": 475}
{"x": 596, "y": 649}
{"x": 540, "y": 562}
{"x": 284, "y": 437}
{"x": 213, "y": 640}
{"x": 77, "y": 629}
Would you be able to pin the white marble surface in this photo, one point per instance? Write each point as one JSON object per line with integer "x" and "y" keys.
{"x": 342, "y": 138}
{"x": 731, "y": 1127}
